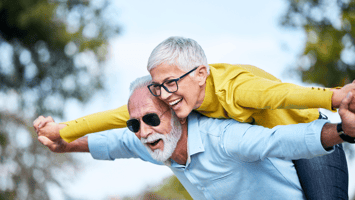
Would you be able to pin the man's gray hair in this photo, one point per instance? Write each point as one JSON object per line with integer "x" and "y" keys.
{"x": 185, "y": 53}
{"x": 143, "y": 81}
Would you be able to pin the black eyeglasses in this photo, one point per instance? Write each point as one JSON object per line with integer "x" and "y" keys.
{"x": 151, "y": 119}
{"x": 170, "y": 86}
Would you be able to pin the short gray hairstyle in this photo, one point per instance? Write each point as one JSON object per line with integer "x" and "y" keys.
{"x": 143, "y": 81}
{"x": 185, "y": 53}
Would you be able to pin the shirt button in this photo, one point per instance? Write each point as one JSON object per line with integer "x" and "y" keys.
{"x": 203, "y": 188}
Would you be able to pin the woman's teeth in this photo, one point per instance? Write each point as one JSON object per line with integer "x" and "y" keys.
{"x": 175, "y": 102}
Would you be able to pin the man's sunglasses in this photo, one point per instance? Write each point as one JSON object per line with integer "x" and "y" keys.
{"x": 151, "y": 119}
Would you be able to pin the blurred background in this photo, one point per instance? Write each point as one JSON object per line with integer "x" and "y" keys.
{"x": 70, "y": 58}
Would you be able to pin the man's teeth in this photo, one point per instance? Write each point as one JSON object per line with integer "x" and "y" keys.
{"x": 175, "y": 102}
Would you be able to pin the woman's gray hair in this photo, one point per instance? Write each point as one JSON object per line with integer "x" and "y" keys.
{"x": 143, "y": 81}
{"x": 185, "y": 53}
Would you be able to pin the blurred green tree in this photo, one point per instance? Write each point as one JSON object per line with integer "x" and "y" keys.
{"x": 51, "y": 51}
{"x": 328, "y": 57}
{"x": 170, "y": 188}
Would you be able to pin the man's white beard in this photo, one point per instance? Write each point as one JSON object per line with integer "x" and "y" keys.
{"x": 170, "y": 141}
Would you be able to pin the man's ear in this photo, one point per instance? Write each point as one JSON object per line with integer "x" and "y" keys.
{"x": 201, "y": 74}
{"x": 182, "y": 121}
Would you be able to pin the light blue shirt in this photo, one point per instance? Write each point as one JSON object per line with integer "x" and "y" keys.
{"x": 228, "y": 159}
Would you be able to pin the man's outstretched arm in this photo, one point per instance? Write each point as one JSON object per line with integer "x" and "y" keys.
{"x": 103, "y": 146}
{"x": 296, "y": 141}
{"x": 61, "y": 146}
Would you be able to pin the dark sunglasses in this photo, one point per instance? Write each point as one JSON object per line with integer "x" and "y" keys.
{"x": 151, "y": 119}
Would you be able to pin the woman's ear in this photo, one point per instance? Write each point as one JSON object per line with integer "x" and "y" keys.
{"x": 201, "y": 74}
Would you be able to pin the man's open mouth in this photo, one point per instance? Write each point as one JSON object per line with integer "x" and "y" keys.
{"x": 152, "y": 144}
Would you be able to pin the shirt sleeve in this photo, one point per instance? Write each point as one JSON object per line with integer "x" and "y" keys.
{"x": 115, "y": 144}
{"x": 101, "y": 121}
{"x": 251, "y": 143}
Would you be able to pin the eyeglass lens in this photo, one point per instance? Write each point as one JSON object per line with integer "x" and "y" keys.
{"x": 170, "y": 86}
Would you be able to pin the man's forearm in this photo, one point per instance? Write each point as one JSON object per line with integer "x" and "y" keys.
{"x": 60, "y": 146}
{"x": 330, "y": 136}
{"x": 79, "y": 145}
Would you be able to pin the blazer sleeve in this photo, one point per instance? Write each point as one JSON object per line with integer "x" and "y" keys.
{"x": 101, "y": 121}
{"x": 241, "y": 88}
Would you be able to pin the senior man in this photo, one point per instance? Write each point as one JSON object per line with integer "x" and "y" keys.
{"x": 214, "y": 158}
{"x": 184, "y": 80}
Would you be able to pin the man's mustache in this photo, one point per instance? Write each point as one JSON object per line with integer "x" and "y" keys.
{"x": 153, "y": 137}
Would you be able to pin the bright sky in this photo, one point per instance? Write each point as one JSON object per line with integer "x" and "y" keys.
{"x": 230, "y": 31}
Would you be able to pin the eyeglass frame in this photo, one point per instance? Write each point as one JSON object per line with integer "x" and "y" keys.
{"x": 175, "y": 80}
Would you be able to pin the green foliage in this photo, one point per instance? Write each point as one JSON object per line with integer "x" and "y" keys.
{"x": 50, "y": 52}
{"x": 328, "y": 56}
{"x": 8, "y": 195}
{"x": 171, "y": 188}
{"x": 45, "y": 40}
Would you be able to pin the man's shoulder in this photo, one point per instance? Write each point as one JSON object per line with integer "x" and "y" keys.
{"x": 211, "y": 126}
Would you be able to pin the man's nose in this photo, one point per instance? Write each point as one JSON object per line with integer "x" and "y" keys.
{"x": 145, "y": 130}
{"x": 164, "y": 94}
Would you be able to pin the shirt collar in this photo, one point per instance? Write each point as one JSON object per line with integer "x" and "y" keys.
{"x": 194, "y": 140}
